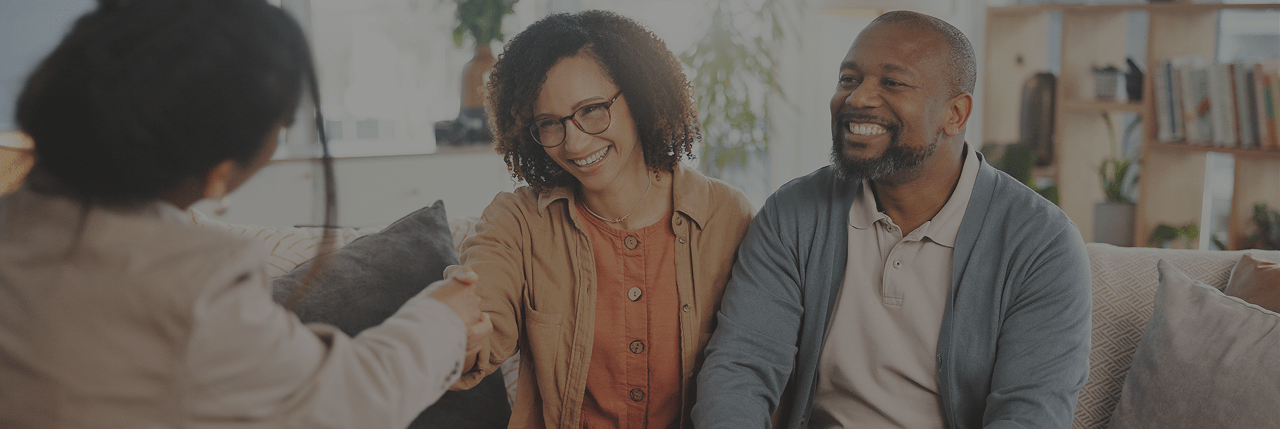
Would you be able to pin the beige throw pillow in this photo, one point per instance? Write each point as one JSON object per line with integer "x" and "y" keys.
{"x": 1206, "y": 360}
{"x": 1257, "y": 282}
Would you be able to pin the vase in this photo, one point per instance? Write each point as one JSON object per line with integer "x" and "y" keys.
{"x": 475, "y": 74}
{"x": 1113, "y": 223}
{"x": 472, "y": 124}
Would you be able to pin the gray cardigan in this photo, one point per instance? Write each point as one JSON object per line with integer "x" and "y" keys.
{"x": 1013, "y": 350}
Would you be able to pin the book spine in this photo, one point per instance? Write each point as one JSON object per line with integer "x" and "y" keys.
{"x": 1258, "y": 94}
{"x": 1164, "y": 111}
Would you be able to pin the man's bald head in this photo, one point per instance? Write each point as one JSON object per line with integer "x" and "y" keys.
{"x": 961, "y": 64}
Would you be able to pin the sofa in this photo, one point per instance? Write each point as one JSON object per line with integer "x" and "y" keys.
{"x": 1125, "y": 281}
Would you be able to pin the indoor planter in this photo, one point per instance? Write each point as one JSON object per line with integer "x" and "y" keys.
{"x": 481, "y": 21}
{"x": 1113, "y": 217}
{"x": 1106, "y": 80}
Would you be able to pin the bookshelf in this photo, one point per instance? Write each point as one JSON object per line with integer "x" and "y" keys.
{"x": 1172, "y": 179}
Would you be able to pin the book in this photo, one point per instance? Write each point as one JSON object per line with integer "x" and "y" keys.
{"x": 1246, "y": 131}
{"x": 1196, "y": 106}
{"x": 1259, "y": 87}
{"x": 1273, "y": 109}
{"x": 1222, "y": 105}
{"x": 1177, "y": 117}
{"x": 1163, "y": 99}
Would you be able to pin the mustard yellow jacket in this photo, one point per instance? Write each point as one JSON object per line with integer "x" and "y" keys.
{"x": 538, "y": 284}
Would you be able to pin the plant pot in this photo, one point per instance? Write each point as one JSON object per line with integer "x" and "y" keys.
{"x": 475, "y": 74}
{"x": 1105, "y": 84}
{"x": 1113, "y": 223}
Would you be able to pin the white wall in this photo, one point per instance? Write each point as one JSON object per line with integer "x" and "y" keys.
{"x": 29, "y": 29}
{"x": 372, "y": 191}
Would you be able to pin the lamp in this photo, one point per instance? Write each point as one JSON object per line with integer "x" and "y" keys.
{"x": 875, "y": 7}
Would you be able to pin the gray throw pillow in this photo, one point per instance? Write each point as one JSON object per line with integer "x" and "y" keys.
{"x": 1206, "y": 360}
{"x": 367, "y": 280}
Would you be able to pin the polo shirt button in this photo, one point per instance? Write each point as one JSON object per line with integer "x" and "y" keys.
{"x": 637, "y": 395}
{"x": 686, "y": 308}
{"x": 637, "y": 347}
{"x": 631, "y": 241}
{"x": 681, "y": 240}
{"x": 679, "y": 221}
{"x": 897, "y": 263}
{"x": 634, "y": 293}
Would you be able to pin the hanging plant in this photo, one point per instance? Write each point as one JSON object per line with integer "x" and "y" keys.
{"x": 482, "y": 20}
{"x": 734, "y": 78}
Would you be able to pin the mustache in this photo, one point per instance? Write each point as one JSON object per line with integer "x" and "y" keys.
{"x": 867, "y": 118}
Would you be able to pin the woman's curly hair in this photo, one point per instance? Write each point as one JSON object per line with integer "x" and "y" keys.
{"x": 636, "y": 60}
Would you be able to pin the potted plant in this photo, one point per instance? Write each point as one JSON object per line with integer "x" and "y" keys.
{"x": 1164, "y": 235}
{"x": 1106, "y": 80}
{"x": 734, "y": 78}
{"x": 1113, "y": 217}
{"x": 1267, "y": 222}
{"x": 481, "y": 21}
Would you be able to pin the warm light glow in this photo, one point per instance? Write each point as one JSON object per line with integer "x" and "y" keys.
{"x": 16, "y": 140}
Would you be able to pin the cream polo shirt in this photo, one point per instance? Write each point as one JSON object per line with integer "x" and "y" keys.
{"x": 878, "y": 367}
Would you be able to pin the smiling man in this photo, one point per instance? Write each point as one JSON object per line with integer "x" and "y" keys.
{"x": 910, "y": 284}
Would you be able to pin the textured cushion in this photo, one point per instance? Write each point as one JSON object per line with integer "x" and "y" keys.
{"x": 1256, "y": 282}
{"x": 1205, "y": 360}
{"x": 1124, "y": 286}
{"x": 367, "y": 280}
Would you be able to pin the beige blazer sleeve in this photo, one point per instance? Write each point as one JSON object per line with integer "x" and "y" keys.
{"x": 254, "y": 364}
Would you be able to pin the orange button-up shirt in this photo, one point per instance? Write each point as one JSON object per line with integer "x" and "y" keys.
{"x": 633, "y": 378}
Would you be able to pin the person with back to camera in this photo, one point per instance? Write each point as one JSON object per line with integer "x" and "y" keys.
{"x": 116, "y": 311}
{"x": 605, "y": 271}
{"x": 910, "y": 285}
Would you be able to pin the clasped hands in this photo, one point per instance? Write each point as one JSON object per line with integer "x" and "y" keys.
{"x": 458, "y": 291}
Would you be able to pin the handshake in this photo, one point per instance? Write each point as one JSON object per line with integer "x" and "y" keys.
{"x": 458, "y": 291}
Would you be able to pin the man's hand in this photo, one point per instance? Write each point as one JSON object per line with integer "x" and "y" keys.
{"x": 458, "y": 291}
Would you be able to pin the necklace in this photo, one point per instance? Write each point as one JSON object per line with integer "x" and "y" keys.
{"x": 633, "y": 208}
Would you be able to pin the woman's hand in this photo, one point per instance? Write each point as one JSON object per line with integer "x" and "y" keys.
{"x": 458, "y": 291}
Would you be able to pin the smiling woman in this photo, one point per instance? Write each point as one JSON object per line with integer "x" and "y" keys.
{"x": 614, "y": 248}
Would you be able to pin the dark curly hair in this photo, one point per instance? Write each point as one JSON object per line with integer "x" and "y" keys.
{"x": 638, "y": 62}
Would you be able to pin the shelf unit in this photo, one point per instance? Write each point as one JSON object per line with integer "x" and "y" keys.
{"x": 1172, "y": 176}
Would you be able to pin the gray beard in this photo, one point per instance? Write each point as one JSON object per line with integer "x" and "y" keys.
{"x": 895, "y": 158}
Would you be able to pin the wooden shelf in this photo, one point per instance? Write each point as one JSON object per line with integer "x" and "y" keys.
{"x": 1102, "y": 106}
{"x": 1150, "y": 7}
{"x": 1188, "y": 147}
{"x": 1173, "y": 177}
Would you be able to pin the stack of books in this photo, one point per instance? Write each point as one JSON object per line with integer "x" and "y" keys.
{"x": 1217, "y": 104}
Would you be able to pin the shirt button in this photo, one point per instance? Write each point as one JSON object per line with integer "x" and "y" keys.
{"x": 897, "y": 263}
{"x": 686, "y": 308}
{"x": 631, "y": 241}
{"x": 681, "y": 240}
{"x": 679, "y": 221}
{"x": 634, "y": 293}
{"x": 637, "y": 346}
{"x": 637, "y": 395}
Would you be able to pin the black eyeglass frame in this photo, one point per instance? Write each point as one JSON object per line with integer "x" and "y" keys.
{"x": 533, "y": 127}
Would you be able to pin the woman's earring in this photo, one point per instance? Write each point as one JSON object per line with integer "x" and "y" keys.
{"x": 223, "y": 205}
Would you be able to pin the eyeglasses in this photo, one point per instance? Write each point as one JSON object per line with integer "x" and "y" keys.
{"x": 591, "y": 119}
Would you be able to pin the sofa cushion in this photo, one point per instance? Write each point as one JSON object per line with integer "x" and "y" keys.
{"x": 368, "y": 279}
{"x": 1256, "y": 282}
{"x": 1205, "y": 360}
{"x": 1124, "y": 286}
